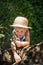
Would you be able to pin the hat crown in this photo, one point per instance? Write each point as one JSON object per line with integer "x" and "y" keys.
{"x": 20, "y": 21}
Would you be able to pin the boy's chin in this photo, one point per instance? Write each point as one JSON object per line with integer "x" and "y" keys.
{"x": 20, "y": 36}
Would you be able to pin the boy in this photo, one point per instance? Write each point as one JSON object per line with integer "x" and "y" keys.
{"x": 20, "y": 35}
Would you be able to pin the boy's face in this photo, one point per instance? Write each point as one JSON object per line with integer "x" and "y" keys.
{"x": 20, "y": 32}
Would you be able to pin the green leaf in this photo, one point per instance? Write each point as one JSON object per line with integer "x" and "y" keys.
{"x": 2, "y": 35}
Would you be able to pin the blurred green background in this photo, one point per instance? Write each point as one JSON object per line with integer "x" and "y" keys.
{"x": 32, "y": 9}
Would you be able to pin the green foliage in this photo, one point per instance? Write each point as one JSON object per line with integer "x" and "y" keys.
{"x": 1, "y": 35}
{"x": 32, "y": 9}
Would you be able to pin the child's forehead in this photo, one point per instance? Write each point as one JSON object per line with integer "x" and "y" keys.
{"x": 19, "y": 28}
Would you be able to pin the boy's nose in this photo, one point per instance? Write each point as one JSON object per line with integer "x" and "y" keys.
{"x": 19, "y": 35}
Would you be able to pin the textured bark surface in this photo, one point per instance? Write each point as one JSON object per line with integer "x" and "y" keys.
{"x": 32, "y": 55}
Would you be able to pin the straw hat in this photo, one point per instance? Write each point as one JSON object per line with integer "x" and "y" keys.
{"x": 20, "y": 22}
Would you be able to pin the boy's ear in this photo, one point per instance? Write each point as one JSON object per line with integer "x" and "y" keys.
{"x": 26, "y": 32}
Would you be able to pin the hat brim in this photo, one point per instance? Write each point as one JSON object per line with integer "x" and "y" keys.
{"x": 21, "y": 26}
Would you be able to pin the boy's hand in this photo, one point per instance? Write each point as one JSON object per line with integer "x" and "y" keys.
{"x": 17, "y": 57}
{"x": 18, "y": 44}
